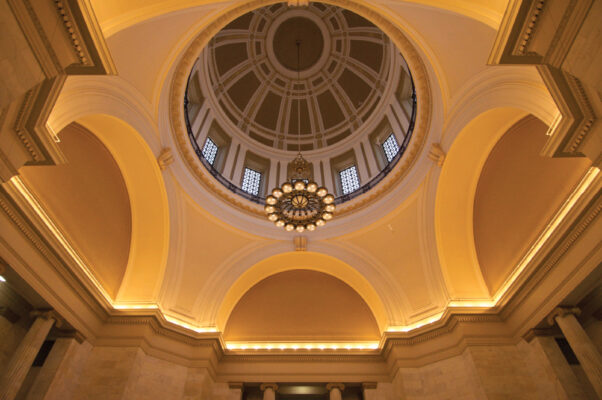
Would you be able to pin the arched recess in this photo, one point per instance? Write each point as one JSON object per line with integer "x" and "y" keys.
{"x": 301, "y": 260}
{"x": 301, "y": 305}
{"x": 454, "y": 203}
{"x": 517, "y": 195}
{"x": 148, "y": 202}
{"x": 118, "y": 116}
{"x": 69, "y": 192}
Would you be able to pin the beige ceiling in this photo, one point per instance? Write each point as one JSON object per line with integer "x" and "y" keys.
{"x": 518, "y": 193}
{"x": 263, "y": 101}
{"x": 395, "y": 256}
{"x": 87, "y": 196}
{"x": 301, "y": 305}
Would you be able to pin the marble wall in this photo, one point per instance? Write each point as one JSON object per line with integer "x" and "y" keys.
{"x": 525, "y": 371}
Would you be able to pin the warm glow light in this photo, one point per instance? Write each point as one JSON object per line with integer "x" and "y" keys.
{"x": 299, "y": 185}
{"x": 289, "y": 227}
{"x": 320, "y": 222}
{"x": 327, "y": 216}
{"x": 300, "y": 228}
{"x": 330, "y": 208}
{"x": 273, "y": 217}
{"x": 280, "y": 223}
{"x": 271, "y": 200}
{"x": 309, "y": 346}
{"x": 311, "y": 227}
{"x": 583, "y": 185}
{"x": 277, "y": 193}
{"x": 322, "y": 192}
{"x": 312, "y": 187}
{"x": 287, "y": 188}
{"x": 328, "y": 199}
{"x": 142, "y": 306}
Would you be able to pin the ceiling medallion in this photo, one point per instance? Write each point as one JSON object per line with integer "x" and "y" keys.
{"x": 299, "y": 204}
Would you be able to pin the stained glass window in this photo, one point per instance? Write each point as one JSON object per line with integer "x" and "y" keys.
{"x": 349, "y": 179}
{"x": 210, "y": 150}
{"x": 390, "y": 147}
{"x": 251, "y": 181}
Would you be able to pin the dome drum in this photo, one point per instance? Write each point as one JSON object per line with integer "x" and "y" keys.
{"x": 354, "y": 91}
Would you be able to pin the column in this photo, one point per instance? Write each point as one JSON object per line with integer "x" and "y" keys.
{"x": 21, "y": 361}
{"x": 336, "y": 390}
{"x": 269, "y": 391}
{"x": 58, "y": 376}
{"x": 581, "y": 344}
{"x": 369, "y": 390}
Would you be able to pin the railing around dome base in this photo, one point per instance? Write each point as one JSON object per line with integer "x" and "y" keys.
{"x": 341, "y": 199}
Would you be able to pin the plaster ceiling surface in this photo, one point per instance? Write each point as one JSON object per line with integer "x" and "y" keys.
{"x": 101, "y": 233}
{"x": 388, "y": 261}
{"x": 344, "y": 69}
{"x": 143, "y": 52}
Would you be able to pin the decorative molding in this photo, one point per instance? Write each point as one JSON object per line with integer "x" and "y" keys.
{"x": 561, "y": 312}
{"x": 529, "y": 28}
{"x": 331, "y": 386}
{"x": 165, "y": 158}
{"x": 437, "y": 154}
{"x": 413, "y": 59}
{"x": 265, "y": 386}
{"x": 300, "y": 243}
{"x": 574, "y": 127}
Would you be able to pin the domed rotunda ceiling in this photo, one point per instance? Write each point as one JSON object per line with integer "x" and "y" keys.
{"x": 344, "y": 65}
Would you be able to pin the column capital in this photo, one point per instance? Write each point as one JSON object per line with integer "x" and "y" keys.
{"x": 331, "y": 386}
{"x": 560, "y": 312}
{"x": 265, "y": 386}
{"x": 369, "y": 385}
{"x": 49, "y": 314}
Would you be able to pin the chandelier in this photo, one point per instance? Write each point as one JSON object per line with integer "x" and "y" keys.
{"x": 299, "y": 204}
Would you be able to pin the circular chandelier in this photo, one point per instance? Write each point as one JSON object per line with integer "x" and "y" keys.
{"x": 299, "y": 204}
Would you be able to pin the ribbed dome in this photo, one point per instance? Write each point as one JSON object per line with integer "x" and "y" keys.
{"x": 252, "y": 67}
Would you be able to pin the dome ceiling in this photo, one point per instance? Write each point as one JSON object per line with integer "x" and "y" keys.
{"x": 251, "y": 64}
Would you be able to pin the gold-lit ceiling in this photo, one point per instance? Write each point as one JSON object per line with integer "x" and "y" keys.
{"x": 345, "y": 63}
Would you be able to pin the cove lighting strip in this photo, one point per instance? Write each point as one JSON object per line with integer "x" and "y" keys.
{"x": 301, "y": 346}
{"x": 558, "y": 218}
{"x": 549, "y": 230}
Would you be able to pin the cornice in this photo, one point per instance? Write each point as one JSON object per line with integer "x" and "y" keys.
{"x": 557, "y": 247}
{"x": 575, "y": 123}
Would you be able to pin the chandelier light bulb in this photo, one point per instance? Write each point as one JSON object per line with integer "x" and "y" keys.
{"x": 277, "y": 193}
{"x": 322, "y": 192}
{"x": 312, "y": 187}
{"x": 330, "y": 208}
{"x": 300, "y": 228}
{"x": 287, "y": 187}
{"x": 299, "y": 185}
{"x": 327, "y": 216}
{"x": 273, "y": 217}
{"x": 320, "y": 222}
{"x": 270, "y": 209}
{"x": 310, "y": 227}
{"x": 289, "y": 227}
{"x": 328, "y": 199}
{"x": 271, "y": 200}
{"x": 280, "y": 223}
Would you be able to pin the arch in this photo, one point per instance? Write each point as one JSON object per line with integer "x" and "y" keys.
{"x": 286, "y": 261}
{"x": 127, "y": 133}
{"x": 454, "y": 208}
{"x": 116, "y": 15}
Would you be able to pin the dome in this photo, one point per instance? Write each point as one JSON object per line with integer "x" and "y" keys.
{"x": 282, "y": 79}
